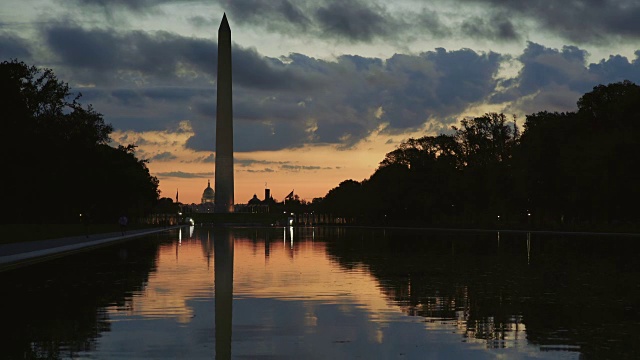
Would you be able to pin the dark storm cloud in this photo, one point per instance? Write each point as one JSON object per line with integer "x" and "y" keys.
{"x": 278, "y": 15}
{"x": 174, "y": 70}
{"x": 430, "y": 22}
{"x": 162, "y": 55}
{"x": 13, "y": 47}
{"x": 554, "y": 79}
{"x": 331, "y": 20}
{"x": 354, "y": 20}
{"x": 153, "y": 81}
{"x": 341, "y": 102}
{"x": 141, "y": 6}
{"x": 349, "y": 98}
{"x": 582, "y": 21}
{"x": 351, "y": 20}
{"x": 437, "y": 83}
{"x": 497, "y": 27}
{"x": 543, "y": 66}
{"x": 617, "y": 68}
{"x": 276, "y": 135}
{"x": 344, "y": 21}
{"x": 255, "y": 71}
{"x": 109, "y": 52}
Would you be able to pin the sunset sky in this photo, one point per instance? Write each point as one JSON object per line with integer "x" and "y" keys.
{"x": 322, "y": 89}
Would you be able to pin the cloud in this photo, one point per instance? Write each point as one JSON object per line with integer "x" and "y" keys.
{"x": 13, "y": 47}
{"x": 617, "y": 68}
{"x": 252, "y": 70}
{"x": 359, "y": 21}
{"x": 426, "y": 22}
{"x": 282, "y": 165}
{"x": 253, "y": 162}
{"x": 110, "y": 56}
{"x": 276, "y": 15}
{"x": 496, "y": 27}
{"x": 209, "y": 159}
{"x": 164, "y": 156}
{"x": 340, "y": 105}
{"x": 354, "y": 20}
{"x": 181, "y": 174}
{"x": 138, "y": 6}
{"x": 278, "y": 103}
{"x": 154, "y": 81}
{"x": 435, "y": 84}
{"x": 553, "y": 79}
{"x": 581, "y": 21}
{"x": 265, "y": 170}
{"x": 298, "y": 168}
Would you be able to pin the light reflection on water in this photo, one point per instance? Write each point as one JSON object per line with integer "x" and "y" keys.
{"x": 332, "y": 293}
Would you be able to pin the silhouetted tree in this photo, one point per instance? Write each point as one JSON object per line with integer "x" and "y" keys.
{"x": 344, "y": 200}
{"x": 578, "y": 168}
{"x": 437, "y": 178}
{"x": 544, "y": 184}
{"x": 57, "y": 154}
{"x": 566, "y": 169}
{"x": 486, "y": 148}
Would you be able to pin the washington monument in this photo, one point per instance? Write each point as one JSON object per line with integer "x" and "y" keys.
{"x": 224, "y": 123}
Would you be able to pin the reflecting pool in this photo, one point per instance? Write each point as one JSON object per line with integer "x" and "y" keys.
{"x": 330, "y": 293}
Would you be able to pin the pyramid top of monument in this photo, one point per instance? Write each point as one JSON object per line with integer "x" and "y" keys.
{"x": 224, "y": 24}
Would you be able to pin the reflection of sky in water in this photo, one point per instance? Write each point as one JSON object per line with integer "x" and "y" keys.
{"x": 291, "y": 299}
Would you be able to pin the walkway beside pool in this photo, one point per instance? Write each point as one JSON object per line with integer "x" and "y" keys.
{"x": 18, "y": 254}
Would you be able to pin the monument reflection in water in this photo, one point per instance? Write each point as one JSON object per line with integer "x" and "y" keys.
{"x": 223, "y": 257}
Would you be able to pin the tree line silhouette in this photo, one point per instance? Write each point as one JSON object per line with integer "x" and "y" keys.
{"x": 565, "y": 170}
{"x": 571, "y": 170}
{"x": 57, "y": 161}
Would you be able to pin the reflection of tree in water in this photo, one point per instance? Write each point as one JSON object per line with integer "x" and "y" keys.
{"x": 568, "y": 292}
{"x": 57, "y": 309}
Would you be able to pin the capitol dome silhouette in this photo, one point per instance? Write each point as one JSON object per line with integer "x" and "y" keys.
{"x": 208, "y": 195}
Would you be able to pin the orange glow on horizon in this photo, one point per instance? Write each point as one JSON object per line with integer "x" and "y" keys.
{"x": 311, "y": 171}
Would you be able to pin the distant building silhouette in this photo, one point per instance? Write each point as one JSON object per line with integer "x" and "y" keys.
{"x": 207, "y": 203}
{"x": 256, "y": 205}
{"x": 254, "y": 200}
{"x": 208, "y": 196}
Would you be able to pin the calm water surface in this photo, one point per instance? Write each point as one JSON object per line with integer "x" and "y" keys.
{"x": 330, "y": 293}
